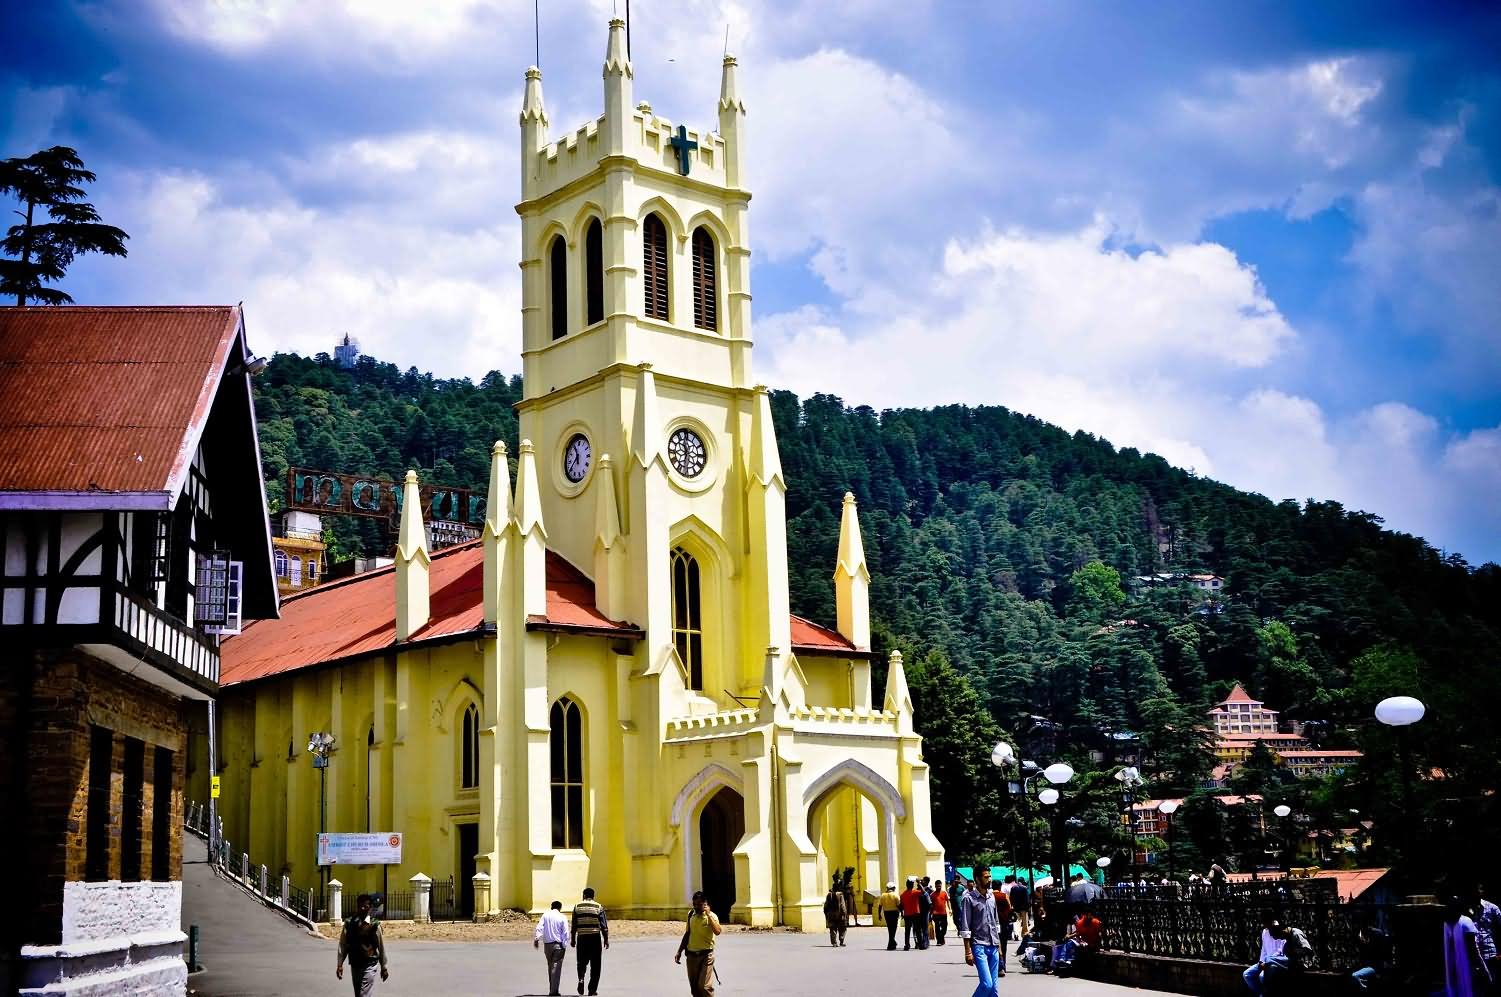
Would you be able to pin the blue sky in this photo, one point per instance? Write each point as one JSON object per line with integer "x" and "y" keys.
{"x": 1261, "y": 240}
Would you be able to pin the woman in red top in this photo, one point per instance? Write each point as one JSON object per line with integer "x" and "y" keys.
{"x": 940, "y": 911}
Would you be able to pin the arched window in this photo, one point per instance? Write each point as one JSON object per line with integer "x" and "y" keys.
{"x": 557, "y": 283}
{"x": 469, "y": 748}
{"x": 705, "y": 288}
{"x": 567, "y": 742}
{"x": 654, "y": 266}
{"x": 281, "y": 564}
{"x": 687, "y": 621}
{"x": 594, "y": 277}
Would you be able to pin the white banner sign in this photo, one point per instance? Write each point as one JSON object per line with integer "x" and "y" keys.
{"x": 376, "y": 848}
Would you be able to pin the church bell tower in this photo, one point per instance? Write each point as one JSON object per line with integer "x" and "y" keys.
{"x": 658, "y": 465}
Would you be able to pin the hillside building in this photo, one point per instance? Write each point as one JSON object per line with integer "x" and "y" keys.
{"x": 608, "y": 688}
{"x": 134, "y": 535}
{"x": 299, "y": 552}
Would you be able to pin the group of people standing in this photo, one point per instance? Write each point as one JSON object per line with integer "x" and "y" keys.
{"x": 922, "y": 909}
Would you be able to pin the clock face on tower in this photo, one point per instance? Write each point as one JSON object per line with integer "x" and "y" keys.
{"x": 576, "y": 457}
{"x": 687, "y": 453}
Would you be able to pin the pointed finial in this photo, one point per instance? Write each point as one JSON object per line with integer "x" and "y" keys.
{"x": 532, "y": 108}
{"x": 528, "y": 491}
{"x": 498, "y": 505}
{"x": 411, "y": 537}
{"x": 606, "y": 511}
{"x": 729, "y": 90}
{"x": 765, "y": 458}
{"x": 616, "y": 58}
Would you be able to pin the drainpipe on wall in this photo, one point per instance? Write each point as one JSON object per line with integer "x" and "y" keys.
{"x": 776, "y": 827}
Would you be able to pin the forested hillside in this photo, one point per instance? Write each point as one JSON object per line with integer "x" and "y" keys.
{"x": 1003, "y": 553}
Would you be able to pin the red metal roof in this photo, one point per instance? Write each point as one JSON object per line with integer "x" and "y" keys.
{"x": 808, "y": 636}
{"x": 356, "y": 616}
{"x": 107, "y": 399}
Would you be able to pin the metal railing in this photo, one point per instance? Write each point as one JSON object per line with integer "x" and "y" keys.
{"x": 1226, "y": 927}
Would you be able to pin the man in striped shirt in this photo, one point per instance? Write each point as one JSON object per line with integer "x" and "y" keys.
{"x": 591, "y": 930}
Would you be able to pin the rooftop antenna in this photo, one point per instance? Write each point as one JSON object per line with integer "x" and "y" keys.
{"x": 727, "y": 39}
{"x": 627, "y": 30}
{"x": 537, "y": 31}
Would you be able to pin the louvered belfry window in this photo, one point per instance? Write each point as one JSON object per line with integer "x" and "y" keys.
{"x": 705, "y": 289}
{"x": 654, "y": 266}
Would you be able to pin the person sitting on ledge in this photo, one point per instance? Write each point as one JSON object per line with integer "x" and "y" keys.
{"x": 1081, "y": 943}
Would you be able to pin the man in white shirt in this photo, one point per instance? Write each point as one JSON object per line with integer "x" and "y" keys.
{"x": 551, "y": 937}
{"x": 1271, "y": 950}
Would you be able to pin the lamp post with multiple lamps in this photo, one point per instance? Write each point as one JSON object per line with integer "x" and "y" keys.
{"x": 319, "y": 745}
{"x": 1104, "y": 863}
{"x": 1129, "y": 777}
{"x": 1003, "y": 756}
{"x": 1398, "y": 712}
{"x": 1167, "y": 808}
{"x": 1058, "y": 774}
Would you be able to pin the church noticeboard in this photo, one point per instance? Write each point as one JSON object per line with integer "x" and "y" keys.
{"x": 327, "y": 493}
{"x": 377, "y": 848}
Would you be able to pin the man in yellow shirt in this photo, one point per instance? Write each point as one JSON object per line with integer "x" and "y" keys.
{"x": 889, "y": 908}
{"x": 698, "y": 943}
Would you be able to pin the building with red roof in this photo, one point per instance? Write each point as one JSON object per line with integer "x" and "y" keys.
{"x": 133, "y": 524}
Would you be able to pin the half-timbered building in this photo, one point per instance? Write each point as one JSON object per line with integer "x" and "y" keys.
{"x": 133, "y": 536}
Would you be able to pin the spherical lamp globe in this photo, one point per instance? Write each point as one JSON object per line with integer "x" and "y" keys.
{"x": 1048, "y": 796}
{"x": 1058, "y": 773}
{"x": 1167, "y": 806}
{"x": 1282, "y": 810}
{"x": 1400, "y": 711}
{"x": 1103, "y": 861}
{"x": 1002, "y": 754}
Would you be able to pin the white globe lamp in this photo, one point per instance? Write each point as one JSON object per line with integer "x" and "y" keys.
{"x": 1168, "y": 806}
{"x": 1048, "y": 796}
{"x": 1058, "y": 773}
{"x": 1002, "y": 754}
{"x": 1400, "y": 711}
{"x": 1103, "y": 861}
{"x": 1282, "y": 810}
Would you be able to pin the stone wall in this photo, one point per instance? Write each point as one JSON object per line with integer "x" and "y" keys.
{"x": 1190, "y": 976}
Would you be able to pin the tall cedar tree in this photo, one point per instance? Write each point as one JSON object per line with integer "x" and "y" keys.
{"x": 41, "y": 251}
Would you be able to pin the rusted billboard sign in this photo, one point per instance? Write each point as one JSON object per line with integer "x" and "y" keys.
{"x": 331, "y": 493}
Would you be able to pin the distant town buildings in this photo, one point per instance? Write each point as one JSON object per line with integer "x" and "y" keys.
{"x": 1241, "y": 722}
{"x": 1209, "y": 584}
{"x": 298, "y": 551}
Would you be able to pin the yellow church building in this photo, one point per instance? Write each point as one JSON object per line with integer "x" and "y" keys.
{"x": 608, "y": 688}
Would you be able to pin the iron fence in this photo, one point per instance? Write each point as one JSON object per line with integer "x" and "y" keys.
{"x": 1324, "y": 890}
{"x": 443, "y": 904}
{"x": 1223, "y": 927}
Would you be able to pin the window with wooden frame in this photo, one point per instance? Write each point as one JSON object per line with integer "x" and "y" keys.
{"x": 97, "y": 820}
{"x": 705, "y": 284}
{"x": 654, "y": 266}
{"x": 557, "y": 283}
{"x": 594, "y": 272}
{"x": 687, "y": 620}
{"x": 469, "y": 748}
{"x": 566, "y": 740}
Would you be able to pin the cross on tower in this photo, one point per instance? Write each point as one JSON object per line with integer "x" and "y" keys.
{"x": 684, "y": 145}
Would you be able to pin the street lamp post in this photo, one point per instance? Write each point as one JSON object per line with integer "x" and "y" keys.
{"x": 1130, "y": 777}
{"x": 1398, "y": 712}
{"x": 1283, "y": 811}
{"x": 1058, "y": 774}
{"x": 319, "y": 745}
{"x": 1003, "y": 757}
{"x": 1104, "y": 863}
{"x": 1168, "y": 808}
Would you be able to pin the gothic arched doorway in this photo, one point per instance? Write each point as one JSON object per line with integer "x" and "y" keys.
{"x": 721, "y": 825}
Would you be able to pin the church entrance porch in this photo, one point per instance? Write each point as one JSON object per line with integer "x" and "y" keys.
{"x": 721, "y": 825}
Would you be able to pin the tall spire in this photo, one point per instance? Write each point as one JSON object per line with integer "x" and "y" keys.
{"x": 533, "y": 129}
{"x": 852, "y": 579}
{"x": 497, "y": 530}
{"x": 533, "y": 534}
{"x": 412, "y": 562}
{"x": 898, "y": 699}
{"x": 731, "y": 122}
{"x": 619, "y": 107}
{"x": 609, "y": 551}
{"x": 765, "y": 458}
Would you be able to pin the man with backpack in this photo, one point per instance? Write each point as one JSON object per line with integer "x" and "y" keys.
{"x": 835, "y": 915}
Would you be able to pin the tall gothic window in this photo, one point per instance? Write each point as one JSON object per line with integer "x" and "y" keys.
{"x": 687, "y": 620}
{"x": 567, "y": 743}
{"x": 705, "y": 288}
{"x": 469, "y": 748}
{"x": 654, "y": 266}
{"x": 557, "y": 282}
{"x": 594, "y": 276}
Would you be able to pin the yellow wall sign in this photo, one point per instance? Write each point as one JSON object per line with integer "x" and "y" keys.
{"x": 213, "y": 787}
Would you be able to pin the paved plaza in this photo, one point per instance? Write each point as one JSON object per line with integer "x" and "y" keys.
{"x": 250, "y": 951}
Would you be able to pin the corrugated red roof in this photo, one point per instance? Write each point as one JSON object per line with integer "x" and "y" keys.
{"x": 357, "y": 616}
{"x": 809, "y": 636}
{"x": 106, "y": 399}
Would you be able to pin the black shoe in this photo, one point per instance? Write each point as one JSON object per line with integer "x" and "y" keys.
{"x": 581, "y": 985}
